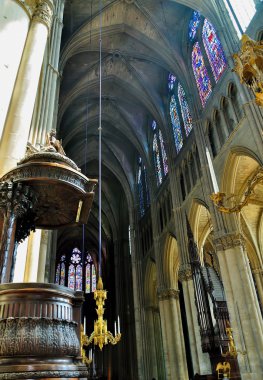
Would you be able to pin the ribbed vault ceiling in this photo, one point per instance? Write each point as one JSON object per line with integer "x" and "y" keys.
{"x": 141, "y": 42}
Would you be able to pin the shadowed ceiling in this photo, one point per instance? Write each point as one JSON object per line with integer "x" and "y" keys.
{"x": 142, "y": 41}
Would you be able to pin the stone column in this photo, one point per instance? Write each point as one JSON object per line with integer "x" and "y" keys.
{"x": 200, "y": 360}
{"x": 46, "y": 115}
{"x": 158, "y": 345}
{"x": 17, "y": 125}
{"x": 151, "y": 333}
{"x": 245, "y": 316}
{"x": 14, "y": 16}
{"x": 32, "y": 256}
{"x": 172, "y": 333}
{"x": 258, "y": 276}
{"x": 42, "y": 255}
{"x": 139, "y": 315}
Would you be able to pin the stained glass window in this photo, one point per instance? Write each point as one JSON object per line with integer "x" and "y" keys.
{"x": 185, "y": 111}
{"x": 178, "y": 138}
{"x": 193, "y": 25}
{"x": 93, "y": 273}
{"x": 91, "y": 278}
{"x": 78, "y": 277}
{"x": 71, "y": 277}
{"x": 74, "y": 272}
{"x": 157, "y": 160}
{"x": 143, "y": 191}
{"x": 88, "y": 278}
{"x": 60, "y": 271}
{"x": 201, "y": 76}
{"x": 171, "y": 81}
{"x": 214, "y": 50}
{"x": 164, "y": 156}
{"x": 57, "y": 274}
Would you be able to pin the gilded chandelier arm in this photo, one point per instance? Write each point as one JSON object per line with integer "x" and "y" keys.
{"x": 218, "y": 198}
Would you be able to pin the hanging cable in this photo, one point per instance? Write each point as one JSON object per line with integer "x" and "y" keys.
{"x": 100, "y": 129}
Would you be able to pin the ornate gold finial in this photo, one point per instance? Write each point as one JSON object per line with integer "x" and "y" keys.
{"x": 100, "y": 284}
{"x": 249, "y": 66}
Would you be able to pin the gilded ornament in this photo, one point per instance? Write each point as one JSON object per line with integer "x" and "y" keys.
{"x": 249, "y": 66}
{"x": 220, "y": 201}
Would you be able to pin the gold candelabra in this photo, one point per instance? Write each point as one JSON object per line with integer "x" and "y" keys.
{"x": 85, "y": 360}
{"x": 219, "y": 198}
{"x": 101, "y": 336}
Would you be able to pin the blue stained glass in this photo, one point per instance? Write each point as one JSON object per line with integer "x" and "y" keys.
{"x": 201, "y": 76}
{"x": 164, "y": 156}
{"x": 187, "y": 118}
{"x": 157, "y": 161}
{"x": 214, "y": 50}
{"x": 154, "y": 125}
{"x": 171, "y": 81}
{"x": 178, "y": 138}
{"x": 193, "y": 25}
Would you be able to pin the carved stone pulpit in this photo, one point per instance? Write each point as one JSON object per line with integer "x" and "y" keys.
{"x": 40, "y": 323}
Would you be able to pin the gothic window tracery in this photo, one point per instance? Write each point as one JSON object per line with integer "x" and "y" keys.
{"x": 69, "y": 272}
{"x": 187, "y": 118}
{"x": 143, "y": 189}
{"x": 214, "y": 50}
{"x": 201, "y": 75}
{"x": 177, "y": 132}
{"x": 159, "y": 154}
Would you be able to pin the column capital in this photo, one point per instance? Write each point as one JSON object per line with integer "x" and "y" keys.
{"x": 185, "y": 272}
{"x": 257, "y": 271}
{"x": 166, "y": 294}
{"x": 43, "y": 12}
{"x": 228, "y": 241}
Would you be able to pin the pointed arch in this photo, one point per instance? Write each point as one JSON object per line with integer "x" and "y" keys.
{"x": 171, "y": 262}
{"x": 200, "y": 222}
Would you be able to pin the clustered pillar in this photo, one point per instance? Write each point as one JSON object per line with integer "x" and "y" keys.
{"x": 21, "y": 106}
